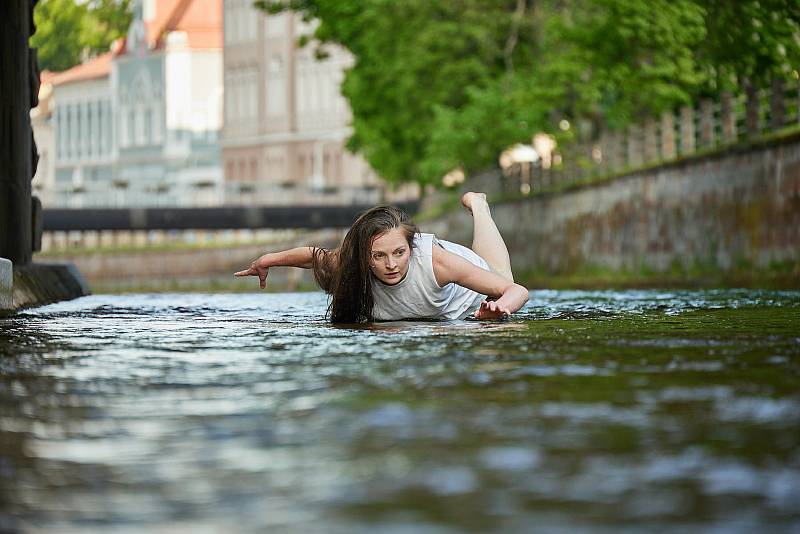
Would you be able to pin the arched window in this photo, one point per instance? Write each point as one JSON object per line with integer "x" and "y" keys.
{"x": 124, "y": 133}
{"x": 142, "y": 101}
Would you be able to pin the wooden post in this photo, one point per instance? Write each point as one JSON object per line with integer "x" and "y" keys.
{"x": 634, "y": 146}
{"x": 604, "y": 165}
{"x": 687, "y": 130}
{"x": 546, "y": 176}
{"x": 650, "y": 143}
{"x": 777, "y": 107}
{"x": 751, "y": 110}
{"x": 706, "y": 123}
{"x": 668, "y": 135}
{"x": 613, "y": 150}
{"x": 728, "y": 118}
{"x": 18, "y": 94}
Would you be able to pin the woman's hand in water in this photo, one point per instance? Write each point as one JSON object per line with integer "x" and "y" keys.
{"x": 490, "y": 309}
{"x": 258, "y": 268}
{"x": 294, "y": 257}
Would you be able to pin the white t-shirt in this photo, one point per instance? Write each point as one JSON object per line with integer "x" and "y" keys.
{"x": 418, "y": 296}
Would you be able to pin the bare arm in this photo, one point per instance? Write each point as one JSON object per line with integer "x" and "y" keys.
{"x": 451, "y": 268}
{"x": 295, "y": 257}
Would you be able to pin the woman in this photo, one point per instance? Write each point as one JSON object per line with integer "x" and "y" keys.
{"x": 387, "y": 270}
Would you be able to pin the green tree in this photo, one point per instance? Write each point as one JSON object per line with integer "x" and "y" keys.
{"x": 58, "y": 33}
{"x": 749, "y": 40}
{"x": 66, "y": 30}
{"x": 599, "y": 63}
{"x": 411, "y": 57}
{"x": 441, "y": 84}
{"x": 107, "y": 21}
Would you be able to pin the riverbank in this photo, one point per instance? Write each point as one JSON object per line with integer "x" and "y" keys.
{"x": 727, "y": 218}
{"x": 190, "y": 267}
{"x": 209, "y": 269}
{"x": 784, "y": 276}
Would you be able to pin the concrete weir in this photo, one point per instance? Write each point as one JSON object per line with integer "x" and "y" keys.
{"x": 36, "y": 284}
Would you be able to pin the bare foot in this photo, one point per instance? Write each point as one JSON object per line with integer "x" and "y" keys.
{"x": 470, "y": 199}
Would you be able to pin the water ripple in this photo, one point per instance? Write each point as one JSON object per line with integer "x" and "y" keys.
{"x": 588, "y": 410}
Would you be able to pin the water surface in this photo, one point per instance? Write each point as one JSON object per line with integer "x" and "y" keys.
{"x": 598, "y": 411}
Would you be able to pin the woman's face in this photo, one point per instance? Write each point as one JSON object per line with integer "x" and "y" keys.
{"x": 388, "y": 256}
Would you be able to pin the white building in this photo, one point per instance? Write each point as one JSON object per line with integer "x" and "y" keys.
{"x": 139, "y": 125}
{"x": 42, "y": 122}
{"x": 286, "y": 122}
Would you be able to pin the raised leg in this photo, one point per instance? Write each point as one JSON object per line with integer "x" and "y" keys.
{"x": 486, "y": 239}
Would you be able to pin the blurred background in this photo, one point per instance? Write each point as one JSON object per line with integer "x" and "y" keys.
{"x": 163, "y": 104}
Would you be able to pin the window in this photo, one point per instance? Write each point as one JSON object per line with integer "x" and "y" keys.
{"x": 158, "y": 133}
{"x": 82, "y": 129}
{"x": 276, "y": 87}
{"x": 251, "y": 20}
{"x": 61, "y": 133}
{"x": 147, "y": 128}
{"x": 228, "y": 99}
{"x": 95, "y": 108}
{"x": 124, "y": 132}
{"x": 138, "y": 128}
{"x": 276, "y": 25}
{"x": 241, "y": 22}
{"x": 73, "y": 129}
{"x": 241, "y": 96}
{"x": 104, "y": 129}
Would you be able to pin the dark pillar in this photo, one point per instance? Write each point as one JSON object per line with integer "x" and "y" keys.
{"x": 777, "y": 104}
{"x": 751, "y": 110}
{"x": 18, "y": 93}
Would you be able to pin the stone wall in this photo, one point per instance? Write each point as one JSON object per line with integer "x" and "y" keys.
{"x": 739, "y": 209}
{"x": 195, "y": 269}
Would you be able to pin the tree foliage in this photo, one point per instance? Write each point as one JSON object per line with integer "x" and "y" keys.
{"x": 749, "y": 39}
{"x": 67, "y": 31}
{"x": 441, "y": 84}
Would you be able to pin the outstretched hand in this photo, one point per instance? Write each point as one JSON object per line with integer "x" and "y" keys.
{"x": 490, "y": 309}
{"x": 256, "y": 269}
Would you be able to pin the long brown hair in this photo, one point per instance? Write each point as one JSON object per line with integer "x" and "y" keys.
{"x": 344, "y": 273}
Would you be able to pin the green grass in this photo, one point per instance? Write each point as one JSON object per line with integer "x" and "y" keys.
{"x": 778, "y": 275}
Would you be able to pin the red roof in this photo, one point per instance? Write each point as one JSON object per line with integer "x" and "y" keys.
{"x": 201, "y": 20}
{"x": 46, "y": 76}
{"x": 98, "y": 67}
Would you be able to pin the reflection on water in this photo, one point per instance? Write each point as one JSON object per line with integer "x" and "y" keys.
{"x": 601, "y": 411}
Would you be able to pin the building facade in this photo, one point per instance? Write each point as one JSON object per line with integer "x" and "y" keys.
{"x": 140, "y": 125}
{"x": 43, "y": 184}
{"x": 285, "y": 122}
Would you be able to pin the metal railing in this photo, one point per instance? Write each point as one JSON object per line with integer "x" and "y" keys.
{"x": 712, "y": 124}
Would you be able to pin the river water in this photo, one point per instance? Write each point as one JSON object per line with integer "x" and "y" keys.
{"x": 592, "y": 411}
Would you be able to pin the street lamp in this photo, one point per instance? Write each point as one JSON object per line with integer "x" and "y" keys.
{"x": 544, "y": 145}
{"x": 523, "y": 156}
{"x": 318, "y": 178}
{"x": 454, "y": 177}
